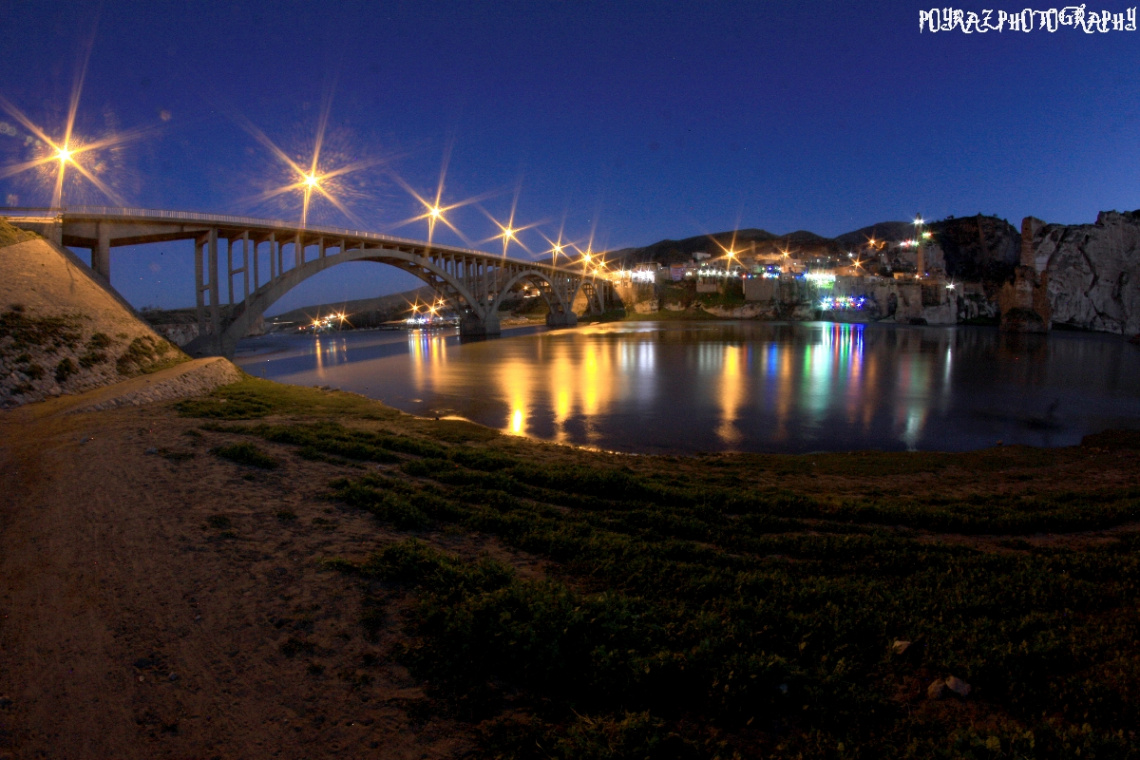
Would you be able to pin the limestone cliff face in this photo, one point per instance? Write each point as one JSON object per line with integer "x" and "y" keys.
{"x": 978, "y": 248}
{"x": 1093, "y": 272}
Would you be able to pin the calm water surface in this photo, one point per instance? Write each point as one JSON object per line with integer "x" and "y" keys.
{"x": 736, "y": 386}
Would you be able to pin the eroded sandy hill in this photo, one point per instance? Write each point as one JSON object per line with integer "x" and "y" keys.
{"x": 62, "y": 332}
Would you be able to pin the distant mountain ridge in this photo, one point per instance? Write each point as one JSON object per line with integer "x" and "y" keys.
{"x": 364, "y": 310}
{"x": 975, "y": 247}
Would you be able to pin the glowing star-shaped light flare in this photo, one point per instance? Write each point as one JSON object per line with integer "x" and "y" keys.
{"x": 435, "y": 210}
{"x": 311, "y": 180}
{"x": 508, "y": 232}
{"x": 557, "y": 248}
{"x": 68, "y": 152}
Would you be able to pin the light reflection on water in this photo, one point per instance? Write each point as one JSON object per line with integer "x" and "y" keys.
{"x": 713, "y": 386}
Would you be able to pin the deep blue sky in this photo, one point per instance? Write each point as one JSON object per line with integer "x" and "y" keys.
{"x": 639, "y": 121}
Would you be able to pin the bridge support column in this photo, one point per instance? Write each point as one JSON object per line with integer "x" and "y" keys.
{"x": 212, "y": 253}
{"x": 101, "y": 253}
{"x": 473, "y": 326}
{"x": 245, "y": 262}
{"x": 199, "y": 286}
{"x": 54, "y": 232}
{"x": 563, "y": 319}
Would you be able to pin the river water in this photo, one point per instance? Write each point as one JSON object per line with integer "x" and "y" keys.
{"x": 736, "y": 386}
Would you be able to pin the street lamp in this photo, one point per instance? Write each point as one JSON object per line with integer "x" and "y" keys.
{"x": 919, "y": 236}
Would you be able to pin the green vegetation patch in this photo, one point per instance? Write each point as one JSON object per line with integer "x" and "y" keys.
{"x": 246, "y": 453}
{"x": 91, "y": 358}
{"x": 254, "y": 398}
{"x": 20, "y": 331}
{"x": 65, "y": 369}
{"x": 688, "y": 610}
{"x": 731, "y": 294}
{"x": 720, "y": 656}
{"x": 456, "y": 431}
{"x": 686, "y": 626}
{"x": 147, "y": 354}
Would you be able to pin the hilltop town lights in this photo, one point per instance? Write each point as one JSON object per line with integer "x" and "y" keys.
{"x": 842, "y": 303}
{"x": 1075, "y": 17}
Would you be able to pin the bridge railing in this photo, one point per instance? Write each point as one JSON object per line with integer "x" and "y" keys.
{"x": 159, "y": 215}
{"x": 144, "y": 214}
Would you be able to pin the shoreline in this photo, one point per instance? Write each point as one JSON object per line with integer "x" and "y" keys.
{"x": 276, "y": 569}
{"x": 1031, "y": 424}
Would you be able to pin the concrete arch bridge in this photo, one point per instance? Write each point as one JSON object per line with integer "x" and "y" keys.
{"x": 261, "y": 260}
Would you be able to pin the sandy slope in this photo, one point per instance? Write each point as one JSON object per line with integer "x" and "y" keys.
{"x": 39, "y": 281}
{"x": 129, "y": 628}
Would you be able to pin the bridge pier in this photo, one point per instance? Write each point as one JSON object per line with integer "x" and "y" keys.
{"x": 101, "y": 251}
{"x": 473, "y": 326}
{"x": 211, "y": 345}
{"x": 474, "y": 283}
{"x": 563, "y": 319}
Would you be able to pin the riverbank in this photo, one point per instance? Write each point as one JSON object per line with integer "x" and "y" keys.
{"x": 281, "y": 571}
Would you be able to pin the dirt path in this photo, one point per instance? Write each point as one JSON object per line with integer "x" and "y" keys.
{"x": 130, "y": 628}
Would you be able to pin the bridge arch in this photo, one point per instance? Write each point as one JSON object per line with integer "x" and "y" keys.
{"x": 228, "y": 247}
{"x": 593, "y": 294}
{"x": 561, "y": 311}
{"x": 460, "y": 297}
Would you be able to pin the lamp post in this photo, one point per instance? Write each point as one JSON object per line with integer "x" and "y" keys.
{"x": 921, "y": 263}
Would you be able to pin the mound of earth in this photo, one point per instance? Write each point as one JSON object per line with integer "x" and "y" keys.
{"x": 62, "y": 331}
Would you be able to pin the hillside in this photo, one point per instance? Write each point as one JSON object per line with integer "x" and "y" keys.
{"x": 364, "y": 312}
{"x": 977, "y": 248}
{"x": 61, "y": 332}
{"x": 676, "y": 251}
{"x": 880, "y": 231}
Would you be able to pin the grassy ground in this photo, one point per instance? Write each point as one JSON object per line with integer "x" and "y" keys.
{"x": 743, "y": 605}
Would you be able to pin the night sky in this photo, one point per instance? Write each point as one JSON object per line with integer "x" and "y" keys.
{"x": 631, "y": 121}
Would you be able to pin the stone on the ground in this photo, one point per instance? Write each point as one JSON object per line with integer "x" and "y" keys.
{"x": 936, "y": 690}
{"x": 958, "y": 686}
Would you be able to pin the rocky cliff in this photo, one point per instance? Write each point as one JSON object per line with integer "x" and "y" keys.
{"x": 1093, "y": 272}
{"x": 978, "y": 248}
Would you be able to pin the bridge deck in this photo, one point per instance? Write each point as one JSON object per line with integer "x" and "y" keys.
{"x": 165, "y": 226}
